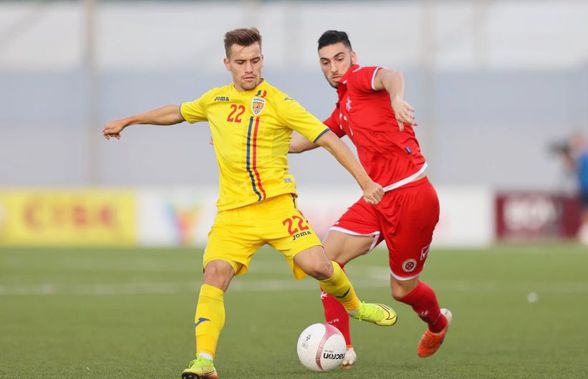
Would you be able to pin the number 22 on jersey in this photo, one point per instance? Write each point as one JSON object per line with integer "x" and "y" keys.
{"x": 237, "y": 111}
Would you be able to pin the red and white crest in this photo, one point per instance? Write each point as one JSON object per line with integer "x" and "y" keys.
{"x": 409, "y": 265}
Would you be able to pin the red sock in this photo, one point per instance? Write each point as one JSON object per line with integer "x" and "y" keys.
{"x": 336, "y": 315}
{"x": 423, "y": 301}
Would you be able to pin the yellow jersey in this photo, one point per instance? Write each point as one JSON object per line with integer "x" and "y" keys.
{"x": 251, "y": 132}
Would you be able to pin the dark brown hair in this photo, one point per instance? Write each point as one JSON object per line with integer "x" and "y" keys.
{"x": 241, "y": 37}
{"x": 331, "y": 37}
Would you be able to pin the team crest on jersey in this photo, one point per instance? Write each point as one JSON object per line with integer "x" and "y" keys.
{"x": 257, "y": 105}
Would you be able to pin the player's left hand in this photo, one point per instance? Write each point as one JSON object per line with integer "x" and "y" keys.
{"x": 373, "y": 193}
{"x": 404, "y": 112}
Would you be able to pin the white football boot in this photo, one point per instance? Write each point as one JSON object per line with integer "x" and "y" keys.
{"x": 350, "y": 358}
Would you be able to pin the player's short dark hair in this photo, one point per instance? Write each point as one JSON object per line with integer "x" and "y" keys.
{"x": 241, "y": 37}
{"x": 331, "y": 37}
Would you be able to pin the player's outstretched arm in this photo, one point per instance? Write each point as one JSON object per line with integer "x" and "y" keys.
{"x": 300, "y": 143}
{"x": 372, "y": 191}
{"x": 393, "y": 82}
{"x": 166, "y": 115}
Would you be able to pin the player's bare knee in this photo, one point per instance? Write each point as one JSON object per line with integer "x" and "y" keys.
{"x": 326, "y": 269}
{"x": 214, "y": 270}
{"x": 401, "y": 288}
{"x": 320, "y": 270}
{"x": 398, "y": 293}
{"x": 218, "y": 274}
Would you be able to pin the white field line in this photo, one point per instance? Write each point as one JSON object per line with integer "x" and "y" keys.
{"x": 140, "y": 288}
{"x": 152, "y": 288}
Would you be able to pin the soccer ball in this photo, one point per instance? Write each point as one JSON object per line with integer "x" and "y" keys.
{"x": 321, "y": 347}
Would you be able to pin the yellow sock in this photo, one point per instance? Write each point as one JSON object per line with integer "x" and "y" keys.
{"x": 209, "y": 319}
{"x": 339, "y": 286}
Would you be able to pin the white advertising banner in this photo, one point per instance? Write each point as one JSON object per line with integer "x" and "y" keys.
{"x": 175, "y": 217}
{"x": 183, "y": 217}
{"x": 467, "y": 217}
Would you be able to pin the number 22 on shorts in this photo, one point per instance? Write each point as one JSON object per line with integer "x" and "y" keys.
{"x": 295, "y": 224}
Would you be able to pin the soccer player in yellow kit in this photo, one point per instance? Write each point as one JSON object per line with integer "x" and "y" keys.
{"x": 251, "y": 123}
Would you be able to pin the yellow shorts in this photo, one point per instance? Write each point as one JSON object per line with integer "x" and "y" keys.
{"x": 236, "y": 234}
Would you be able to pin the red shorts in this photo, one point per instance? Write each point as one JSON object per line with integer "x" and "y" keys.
{"x": 405, "y": 219}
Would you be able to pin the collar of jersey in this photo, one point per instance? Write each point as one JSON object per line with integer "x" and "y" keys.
{"x": 257, "y": 88}
{"x": 343, "y": 82}
{"x": 348, "y": 73}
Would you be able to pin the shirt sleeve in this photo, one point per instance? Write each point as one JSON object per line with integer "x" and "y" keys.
{"x": 333, "y": 123}
{"x": 299, "y": 119}
{"x": 363, "y": 79}
{"x": 195, "y": 110}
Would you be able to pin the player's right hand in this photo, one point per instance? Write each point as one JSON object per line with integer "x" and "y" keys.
{"x": 373, "y": 193}
{"x": 403, "y": 111}
{"x": 113, "y": 129}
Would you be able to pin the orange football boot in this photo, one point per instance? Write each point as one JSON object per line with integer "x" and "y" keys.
{"x": 431, "y": 342}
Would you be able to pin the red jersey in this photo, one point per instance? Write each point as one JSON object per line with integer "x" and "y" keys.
{"x": 366, "y": 116}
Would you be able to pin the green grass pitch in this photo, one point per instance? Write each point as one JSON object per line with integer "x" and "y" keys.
{"x": 128, "y": 313}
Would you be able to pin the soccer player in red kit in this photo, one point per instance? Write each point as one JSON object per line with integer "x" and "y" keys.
{"x": 372, "y": 112}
